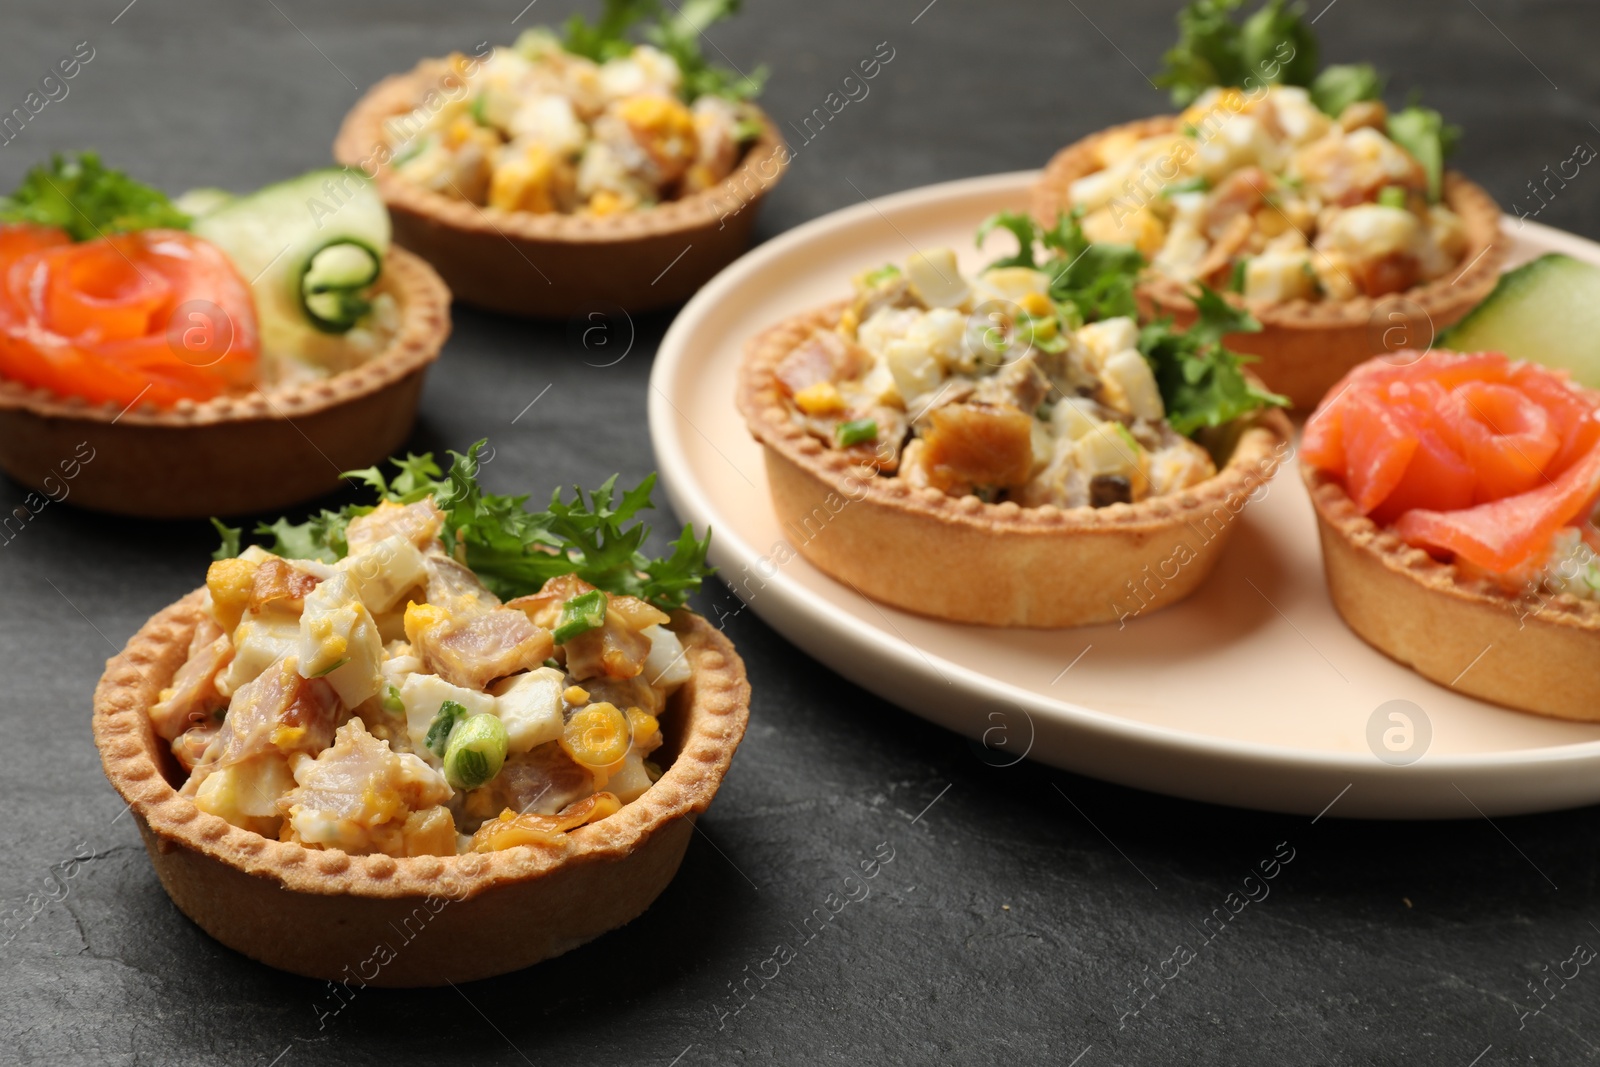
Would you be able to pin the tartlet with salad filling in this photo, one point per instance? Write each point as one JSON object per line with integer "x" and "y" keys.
{"x": 1010, "y": 447}
{"x": 576, "y": 167}
{"x": 441, "y": 700}
{"x": 1456, "y": 496}
{"x": 217, "y": 354}
{"x": 1330, "y": 217}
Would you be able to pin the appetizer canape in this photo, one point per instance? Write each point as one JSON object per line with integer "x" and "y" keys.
{"x": 1010, "y": 448}
{"x": 1455, "y": 495}
{"x": 217, "y": 355}
{"x": 573, "y": 168}
{"x": 469, "y": 734}
{"x": 1328, "y": 216}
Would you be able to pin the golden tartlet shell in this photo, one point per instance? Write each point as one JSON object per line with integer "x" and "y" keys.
{"x": 1534, "y": 653}
{"x": 325, "y": 914}
{"x": 232, "y": 455}
{"x": 961, "y": 559}
{"x": 555, "y": 265}
{"x": 1306, "y": 346}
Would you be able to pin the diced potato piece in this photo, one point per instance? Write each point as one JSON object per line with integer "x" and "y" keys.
{"x": 1301, "y": 120}
{"x": 1372, "y": 231}
{"x": 246, "y": 794}
{"x": 1278, "y": 276}
{"x": 1073, "y": 417}
{"x": 530, "y": 707}
{"x": 915, "y": 370}
{"x": 1110, "y": 449}
{"x": 629, "y": 783}
{"x": 1099, "y": 340}
{"x": 1131, "y": 386}
{"x": 384, "y": 571}
{"x": 1012, "y": 284}
{"x": 259, "y": 641}
{"x": 422, "y": 695}
{"x": 936, "y": 278}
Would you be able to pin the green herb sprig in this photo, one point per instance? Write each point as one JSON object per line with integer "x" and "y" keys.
{"x": 513, "y": 550}
{"x": 1202, "y": 382}
{"x": 87, "y": 199}
{"x": 678, "y": 33}
{"x": 1095, "y": 277}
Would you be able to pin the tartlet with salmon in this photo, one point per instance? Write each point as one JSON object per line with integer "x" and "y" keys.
{"x": 573, "y": 168}
{"x": 1456, "y": 499}
{"x": 1299, "y": 192}
{"x": 1010, "y": 447}
{"x": 440, "y": 706}
{"x": 215, "y": 355}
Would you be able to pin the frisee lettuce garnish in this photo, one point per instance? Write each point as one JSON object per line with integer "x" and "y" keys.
{"x": 1276, "y": 45}
{"x": 513, "y": 550}
{"x": 1202, "y": 382}
{"x": 677, "y": 33}
{"x": 1094, "y": 277}
{"x": 87, "y": 199}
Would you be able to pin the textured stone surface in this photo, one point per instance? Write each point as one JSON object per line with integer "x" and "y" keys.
{"x": 1012, "y": 920}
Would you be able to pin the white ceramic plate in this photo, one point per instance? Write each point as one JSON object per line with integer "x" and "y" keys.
{"x": 1252, "y": 692}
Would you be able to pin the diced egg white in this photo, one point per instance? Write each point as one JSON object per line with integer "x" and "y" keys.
{"x": 1277, "y": 276}
{"x": 530, "y": 706}
{"x": 259, "y": 641}
{"x": 384, "y": 571}
{"x": 339, "y": 641}
{"x": 666, "y": 665}
{"x": 424, "y": 694}
{"x": 937, "y": 279}
{"x": 1127, "y": 378}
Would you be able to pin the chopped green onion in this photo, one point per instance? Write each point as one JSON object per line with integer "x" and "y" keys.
{"x": 392, "y": 702}
{"x": 1127, "y": 435}
{"x": 476, "y": 752}
{"x": 480, "y": 113}
{"x": 582, "y": 613}
{"x": 449, "y": 714}
{"x": 1236, "y": 280}
{"x": 331, "y": 667}
{"x": 1392, "y": 196}
{"x": 747, "y": 130}
{"x": 552, "y": 662}
{"x": 877, "y": 277}
{"x": 1197, "y": 184}
{"x": 857, "y": 431}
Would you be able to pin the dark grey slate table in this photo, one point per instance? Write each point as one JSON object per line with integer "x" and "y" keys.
{"x": 1023, "y": 905}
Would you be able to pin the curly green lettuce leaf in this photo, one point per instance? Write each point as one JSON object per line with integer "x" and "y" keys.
{"x": 513, "y": 550}
{"x": 1096, "y": 278}
{"x": 1202, "y": 383}
{"x": 1273, "y": 45}
{"x": 678, "y": 32}
{"x": 1342, "y": 84}
{"x": 1423, "y": 132}
{"x": 87, "y": 199}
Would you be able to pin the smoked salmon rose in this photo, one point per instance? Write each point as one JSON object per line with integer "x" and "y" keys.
{"x": 157, "y": 315}
{"x": 1472, "y": 456}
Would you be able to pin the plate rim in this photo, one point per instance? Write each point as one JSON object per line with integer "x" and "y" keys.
{"x": 693, "y": 505}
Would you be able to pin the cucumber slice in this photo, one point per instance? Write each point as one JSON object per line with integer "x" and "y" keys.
{"x": 277, "y": 235}
{"x": 198, "y": 203}
{"x": 332, "y": 289}
{"x": 1546, "y": 311}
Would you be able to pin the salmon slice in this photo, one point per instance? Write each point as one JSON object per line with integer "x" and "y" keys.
{"x": 1506, "y": 535}
{"x": 1463, "y": 453}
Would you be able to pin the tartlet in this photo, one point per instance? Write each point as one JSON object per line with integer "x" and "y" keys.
{"x": 350, "y": 742}
{"x": 1465, "y": 633}
{"x": 554, "y": 265}
{"x": 233, "y": 454}
{"x": 325, "y": 914}
{"x": 1306, "y": 346}
{"x": 967, "y": 560}
{"x": 1455, "y": 496}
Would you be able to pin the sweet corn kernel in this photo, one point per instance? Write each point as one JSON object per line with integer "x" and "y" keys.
{"x": 820, "y": 398}
{"x": 575, "y": 694}
{"x": 606, "y": 202}
{"x": 1036, "y": 304}
{"x": 849, "y": 323}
